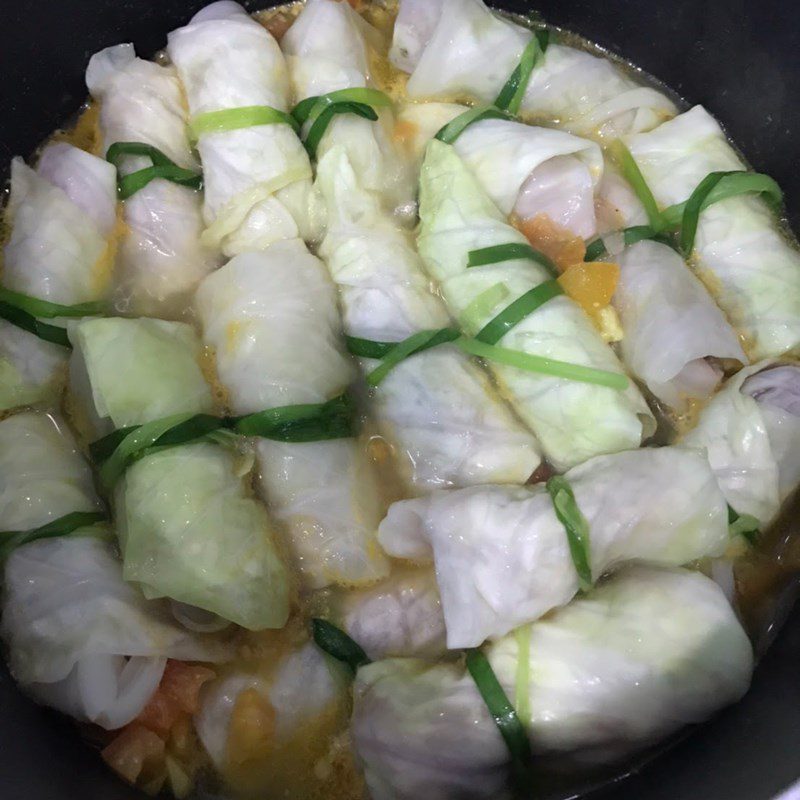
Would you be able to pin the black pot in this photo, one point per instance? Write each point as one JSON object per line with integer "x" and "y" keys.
{"x": 741, "y": 60}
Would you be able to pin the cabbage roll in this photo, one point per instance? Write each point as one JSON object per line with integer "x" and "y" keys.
{"x": 327, "y": 49}
{"x": 672, "y": 326}
{"x": 741, "y": 252}
{"x": 61, "y": 216}
{"x": 572, "y": 420}
{"x": 502, "y": 555}
{"x": 301, "y": 692}
{"x": 462, "y": 49}
{"x": 649, "y": 651}
{"x": 751, "y": 430}
{"x": 273, "y": 322}
{"x": 79, "y": 638}
{"x": 401, "y": 616}
{"x": 447, "y": 425}
{"x": 160, "y": 260}
{"x": 187, "y": 525}
{"x": 257, "y": 179}
{"x": 525, "y": 170}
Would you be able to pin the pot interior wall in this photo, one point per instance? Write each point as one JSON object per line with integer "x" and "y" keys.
{"x": 741, "y": 60}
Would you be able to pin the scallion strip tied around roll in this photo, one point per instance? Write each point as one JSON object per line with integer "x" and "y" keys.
{"x": 321, "y": 109}
{"x": 745, "y": 525}
{"x": 450, "y": 132}
{"x": 312, "y": 422}
{"x": 514, "y": 313}
{"x": 336, "y": 643}
{"x": 504, "y": 715}
{"x": 63, "y": 526}
{"x": 498, "y": 253}
{"x": 576, "y": 527}
{"x": 27, "y": 322}
{"x": 685, "y": 216}
{"x": 233, "y": 119}
{"x": 163, "y": 167}
{"x": 512, "y": 94}
{"x": 422, "y": 340}
{"x": 544, "y": 366}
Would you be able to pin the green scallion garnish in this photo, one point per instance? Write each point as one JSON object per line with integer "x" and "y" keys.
{"x": 321, "y": 109}
{"x": 576, "y": 526}
{"x": 496, "y": 254}
{"x": 27, "y": 322}
{"x": 481, "y": 305}
{"x": 596, "y": 250}
{"x": 422, "y": 340}
{"x": 522, "y": 694}
{"x": 163, "y": 167}
{"x": 234, "y": 119}
{"x": 513, "y": 93}
{"x": 367, "y": 348}
{"x": 312, "y": 107}
{"x": 321, "y": 123}
{"x": 630, "y": 169}
{"x": 544, "y": 366}
{"x": 310, "y": 422}
{"x": 46, "y": 309}
{"x": 337, "y": 643}
{"x": 745, "y": 525}
{"x": 504, "y": 714}
{"x": 450, "y": 132}
{"x": 63, "y": 526}
{"x": 512, "y": 315}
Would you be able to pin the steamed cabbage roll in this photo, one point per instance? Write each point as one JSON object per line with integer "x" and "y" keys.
{"x": 649, "y": 651}
{"x": 462, "y": 49}
{"x": 327, "y": 49}
{"x": 257, "y": 179}
{"x": 61, "y": 217}
{"x": 502, "y": 555}
{"x": 437, "y": 409}
{"x": 187, "y": 525}
{"x": 672, "y": 326}
{"x": 160, "y": 260}
{"x": 573, "y": 421}
{"x": 401, "y": 616}
{"x": 79, "y": 638}
{"x": 526, "y": 170}
{"x": 741, "y": 252}
{"x": 751, "y": 430}
{"x": 304, "y": 696}
{"x": 272, "y": 319}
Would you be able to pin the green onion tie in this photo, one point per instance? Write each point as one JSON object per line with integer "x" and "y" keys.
{"x": 163, "y": 167}
{"x": 450, "y": 132}
{"x": 513, "y": 93}
{"x": 337, "y": 643}
{"x": 63, "y": 526}
{"x": 576, "y": 526}
{"x": 234, "y": 119}
{"x": 523, "y": 306}
{"x": 498, "y": 253}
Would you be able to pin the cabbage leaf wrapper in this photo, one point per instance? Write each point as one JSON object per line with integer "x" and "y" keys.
{"x": 740, "y": 251}
{"x": 400, "y": 616}
{"x": 672, "y": 325}
{"x": 437, "y": 408}
{"x": 79, "y": 638}
{"x": 257, "y": 179}
{"x": 461, "y": 49}
{"x": 160, "y": 260}
{"x": 304, "y": 690}
{"x": 642, "y": 655}
{"x": 273, "y": 322}
{"x": 502, "y": 556}
{"x": 751, "y": 431}
{"x": 327, "y": 48}
{"x": 573, "y": 421}
{"x": 61, "y": 216}
{"x": 526, "y": 170}
{"x": 187, "y": 525}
